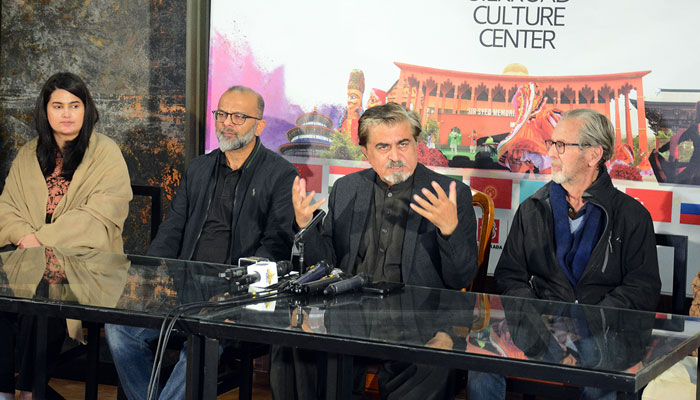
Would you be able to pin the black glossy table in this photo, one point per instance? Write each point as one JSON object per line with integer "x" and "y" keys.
{"x": 97, "y": 287}
{"x": 620, "y": 350}
{"x": 616, "y": 349}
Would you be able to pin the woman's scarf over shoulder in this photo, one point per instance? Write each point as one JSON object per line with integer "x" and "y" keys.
{"x": 90, "y": 215}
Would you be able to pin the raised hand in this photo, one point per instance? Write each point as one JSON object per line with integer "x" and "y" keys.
{"x": 438, "y": 207}
{"x": 303, "y": 208}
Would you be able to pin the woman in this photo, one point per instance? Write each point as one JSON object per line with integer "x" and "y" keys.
{"x": 67, "y": 188}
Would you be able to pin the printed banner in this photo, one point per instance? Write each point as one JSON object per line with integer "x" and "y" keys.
{"x": 489, "y": 81}
{"x": 657, "y": 202}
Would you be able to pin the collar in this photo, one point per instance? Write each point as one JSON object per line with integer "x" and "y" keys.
{"x": 248, "y": 161}
{"x": 601, "y": 190}
{"x": 407, "y": 184}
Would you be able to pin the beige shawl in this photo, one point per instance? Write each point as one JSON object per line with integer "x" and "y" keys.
{"x": 89, "y": 216}
{"x": 94, "y": 278}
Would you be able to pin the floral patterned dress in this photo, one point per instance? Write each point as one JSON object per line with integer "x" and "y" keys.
{"x": 57, "y": 186}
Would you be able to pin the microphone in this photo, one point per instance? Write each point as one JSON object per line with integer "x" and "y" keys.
{"x": 233, "y": 272}
{"x": 347, "y": 285}
{"x": 318, "y": 271}
{"x": 318, "y": 217}
{"x": 318, "y": 286}
{"x": 264, "y": 273}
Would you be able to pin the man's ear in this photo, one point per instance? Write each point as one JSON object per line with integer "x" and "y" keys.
{"x": 596, "y": 154}
{"x": 260, "y": 127}
{"x": 363, "y": 149}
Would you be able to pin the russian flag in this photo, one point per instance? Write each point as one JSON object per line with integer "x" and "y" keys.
{"x": 690, "y": 213}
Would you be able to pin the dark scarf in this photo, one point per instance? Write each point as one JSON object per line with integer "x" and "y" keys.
{"x": 573, "y": 250}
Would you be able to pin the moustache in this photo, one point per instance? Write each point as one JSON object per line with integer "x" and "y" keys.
{"x": 395, "y": 164}
{"x": 228, "y": 131}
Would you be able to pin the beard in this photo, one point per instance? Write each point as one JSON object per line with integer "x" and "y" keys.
{"x": 560, "y": 176}
{"x": 237, "y": 141}
{"x": 566, "y": 175}
{"x": 396, "y": 177}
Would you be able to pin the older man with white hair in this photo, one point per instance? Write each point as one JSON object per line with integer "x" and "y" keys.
{"x": 578, "y": 239}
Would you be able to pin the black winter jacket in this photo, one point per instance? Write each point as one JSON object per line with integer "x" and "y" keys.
{"x": 622, "y": 271}
{"x": 262, "y": 209}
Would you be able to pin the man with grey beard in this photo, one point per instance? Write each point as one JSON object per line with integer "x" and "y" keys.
{"x": 577, "y": 240}
{"x": 398, "y": 221}
{"x": 233, "y": 202}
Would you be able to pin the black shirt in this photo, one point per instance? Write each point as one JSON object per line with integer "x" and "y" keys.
{"x": 215, "y": 241}
{"x": 379, "y": 255}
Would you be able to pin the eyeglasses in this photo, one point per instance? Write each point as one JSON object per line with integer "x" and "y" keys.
{"x": 236, "y": 118}
{"x": 561, "y": 146}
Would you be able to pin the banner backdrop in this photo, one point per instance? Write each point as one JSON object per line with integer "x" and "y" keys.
{"x": 489, "y": 81}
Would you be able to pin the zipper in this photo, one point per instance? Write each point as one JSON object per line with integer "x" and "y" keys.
{"x": 607, "y": 253}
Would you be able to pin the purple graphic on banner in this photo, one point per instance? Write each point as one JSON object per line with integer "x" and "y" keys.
{"x": 234, "y": 64}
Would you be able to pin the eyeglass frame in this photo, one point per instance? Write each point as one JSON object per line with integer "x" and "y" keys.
{"x": 558, "y": 143}
{"x": 229, "y": 116}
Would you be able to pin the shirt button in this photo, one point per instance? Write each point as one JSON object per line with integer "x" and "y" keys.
{"x": 384, "y": 230}
{"x": 389, "y": 194}
{"x": 381, "y": 250}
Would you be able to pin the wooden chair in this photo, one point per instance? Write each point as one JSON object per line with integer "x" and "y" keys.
{"x": 155, "y": 193}
{"x": 483, "y": 201}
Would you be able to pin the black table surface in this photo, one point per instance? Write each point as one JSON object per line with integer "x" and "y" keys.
{"x": 570, "y": 343}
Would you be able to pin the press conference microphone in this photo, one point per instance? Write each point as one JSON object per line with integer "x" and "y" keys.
{"x": 266, "y": 273}
{"x": 233, "y": 272}
{"x": 248, "y": 279}
{"x": 318, "y": 217}
{"x": 318, "y": 286}
{"x": 283, "y": 267}
{"x": 318, "y": 271}
{"x": 347, "y": 285}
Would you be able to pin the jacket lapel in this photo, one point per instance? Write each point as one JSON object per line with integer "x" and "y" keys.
{"x": 363, "y": 197}
{"x": 420, "y": 180}
{"x": 242, "y": 190}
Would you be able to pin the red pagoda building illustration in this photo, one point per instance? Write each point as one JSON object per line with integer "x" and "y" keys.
{"x": 481, "y": 103}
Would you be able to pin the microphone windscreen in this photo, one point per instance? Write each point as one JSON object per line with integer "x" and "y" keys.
{"x": 267, "y": 271}
{"x": 283, "y": 267}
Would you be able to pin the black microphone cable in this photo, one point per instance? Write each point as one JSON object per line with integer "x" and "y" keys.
{"x": 177, "y": 312}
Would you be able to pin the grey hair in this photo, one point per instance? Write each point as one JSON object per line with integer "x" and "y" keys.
{"x": 387, "y": 114}
{"x": 244, "y": 89}
{"x": 596, "y": 130}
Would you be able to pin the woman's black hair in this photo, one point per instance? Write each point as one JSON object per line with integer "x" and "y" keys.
{"x": 73, "y": 150}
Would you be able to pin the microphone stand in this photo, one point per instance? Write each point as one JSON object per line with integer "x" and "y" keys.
{"x": 300, "y": 246}
{"x": 298, "y": 238}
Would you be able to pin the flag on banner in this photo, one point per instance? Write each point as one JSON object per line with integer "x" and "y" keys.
{"x": 500, "y": 190}
{"x": 690, "y": 213}
{"x": 458, "y": 178}
{"x": 494, "y": 232}
{"x": 338, "y": 171}
{"x": 313, "y": 174}
{"x": 657, "y": 202}
{"x": 528, "y": 188}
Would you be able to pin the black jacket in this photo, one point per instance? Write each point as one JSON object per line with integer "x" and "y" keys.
{"x": 427, "y": 258}
{"x": 622, "y": 271}
{"x": 262, "y": 209}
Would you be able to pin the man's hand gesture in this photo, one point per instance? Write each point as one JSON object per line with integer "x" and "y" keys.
{"x": 303, "y": 208}
{"x": 438, "y": 207}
